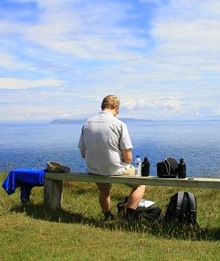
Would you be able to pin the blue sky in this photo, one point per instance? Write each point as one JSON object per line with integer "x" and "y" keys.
{"x": 59, "y": 58}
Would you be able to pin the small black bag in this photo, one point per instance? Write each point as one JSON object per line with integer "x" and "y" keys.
{"x": 149, "y": 214}
{"x": 182, "y": 208}
{"x": 167, "y": 168}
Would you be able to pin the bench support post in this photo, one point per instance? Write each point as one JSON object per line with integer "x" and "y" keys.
{"x": 53, "y": 193}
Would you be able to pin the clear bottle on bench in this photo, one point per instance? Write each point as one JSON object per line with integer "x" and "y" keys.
{"x": 138, "y": 164}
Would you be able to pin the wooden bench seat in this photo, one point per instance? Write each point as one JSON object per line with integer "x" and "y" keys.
{"x": 53, "y": 183}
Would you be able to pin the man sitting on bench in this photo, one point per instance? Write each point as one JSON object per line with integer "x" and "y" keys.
{"x": 106, "y": 146}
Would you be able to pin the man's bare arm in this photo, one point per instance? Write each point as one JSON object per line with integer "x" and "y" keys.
{"x": 127, "y": 155}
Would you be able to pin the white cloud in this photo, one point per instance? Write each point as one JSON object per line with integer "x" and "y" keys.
{"x": 158, "y": 64}
{"x": 10, "y": 83}
{"x": 9, "y": 62}
{"x": 89, "y": 31}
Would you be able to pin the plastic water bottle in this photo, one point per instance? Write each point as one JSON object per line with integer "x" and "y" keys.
{"x": 181, "y": 169}
{"x": 145, "y": 167}
{"x": 137, "y": 166}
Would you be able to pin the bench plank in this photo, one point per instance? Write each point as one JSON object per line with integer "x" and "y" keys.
{"x": 151, "y": 181}
{"x": 53, "y": 183}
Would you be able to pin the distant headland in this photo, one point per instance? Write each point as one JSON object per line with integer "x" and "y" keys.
{"x": 130, "y": 120}
{"x": 74, "y": 121}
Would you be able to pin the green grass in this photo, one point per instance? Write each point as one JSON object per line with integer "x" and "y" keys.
{"x": 77, "y": 232}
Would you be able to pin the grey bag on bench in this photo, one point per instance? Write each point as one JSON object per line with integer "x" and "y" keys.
{"x": 56, "y": 167}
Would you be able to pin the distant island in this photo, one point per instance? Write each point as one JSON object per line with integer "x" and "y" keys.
{"x": 74, "y": 121}
{"x": 67, "y": 121}
{"x": 131, "y": 120}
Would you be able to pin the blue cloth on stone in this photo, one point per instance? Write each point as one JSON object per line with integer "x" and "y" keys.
{"x": 20, "y": 177}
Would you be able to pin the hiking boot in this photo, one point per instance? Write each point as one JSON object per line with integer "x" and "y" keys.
{"x": 109, "y": 216}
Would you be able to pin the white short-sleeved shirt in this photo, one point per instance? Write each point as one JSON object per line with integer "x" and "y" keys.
{"x": 102, "y": 139}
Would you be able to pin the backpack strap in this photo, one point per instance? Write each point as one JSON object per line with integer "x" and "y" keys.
{"x": 167, "y": 165}
{"x": 192, "y": 203}
{"x": 192, "y": 206}
{"x": 179, "y": 202}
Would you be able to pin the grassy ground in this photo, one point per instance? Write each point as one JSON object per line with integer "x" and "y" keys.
{"x": 77, "y": 232}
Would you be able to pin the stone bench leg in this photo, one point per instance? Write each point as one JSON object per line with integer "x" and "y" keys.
{"x": 53, "y": 193}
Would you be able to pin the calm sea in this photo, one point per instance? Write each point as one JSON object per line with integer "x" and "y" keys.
{"x": 32, "y": 145}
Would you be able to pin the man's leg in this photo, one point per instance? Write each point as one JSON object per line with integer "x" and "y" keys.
{"x": 137, "y": 192}
{"x": 105, "y": 200}
{"x": 136, "y": 196}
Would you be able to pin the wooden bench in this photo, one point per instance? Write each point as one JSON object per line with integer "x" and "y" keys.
{"x": 53, "y": 183}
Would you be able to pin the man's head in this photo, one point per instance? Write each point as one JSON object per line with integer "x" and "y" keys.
{"x": 112, "y": 103}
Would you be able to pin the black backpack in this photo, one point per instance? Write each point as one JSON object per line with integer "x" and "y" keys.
{"x": 182, "y": 208}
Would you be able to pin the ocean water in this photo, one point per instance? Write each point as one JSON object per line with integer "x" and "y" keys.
{"x": 32, "y": 145}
